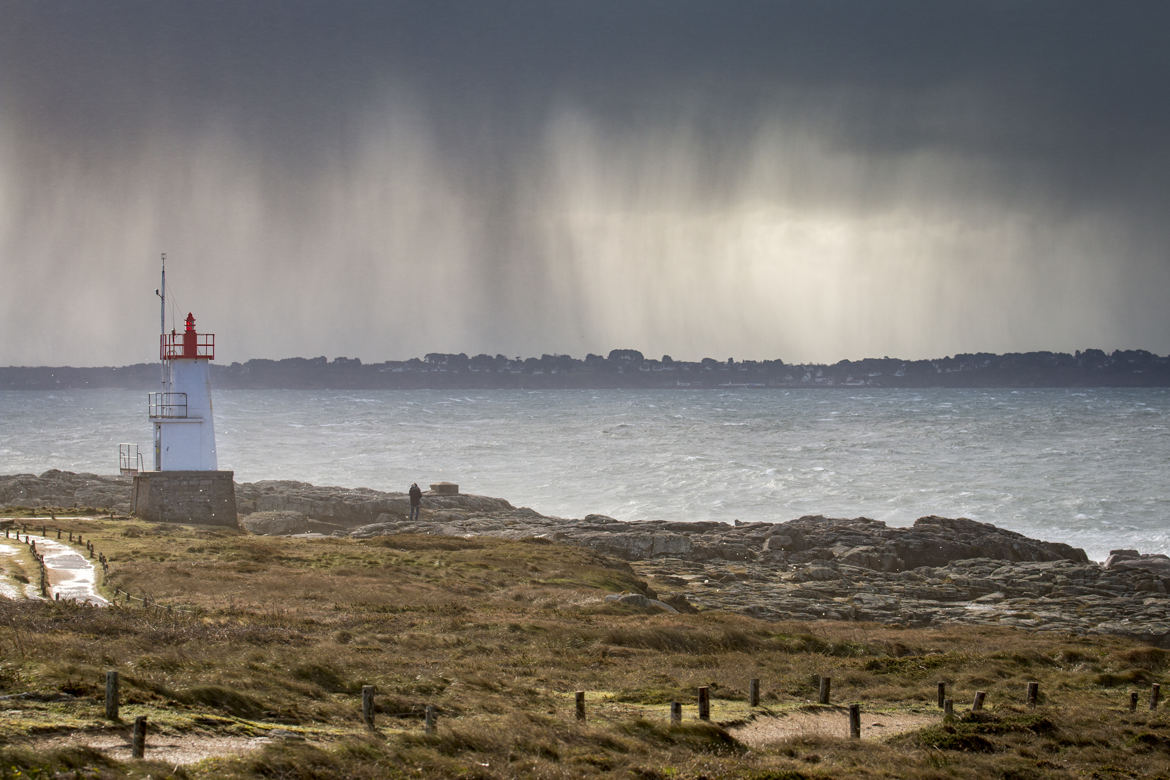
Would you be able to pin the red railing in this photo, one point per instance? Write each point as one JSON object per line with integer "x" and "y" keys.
{"x": 187, "y": 346}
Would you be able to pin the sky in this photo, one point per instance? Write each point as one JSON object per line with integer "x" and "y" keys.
{"x": 810, "y": 181}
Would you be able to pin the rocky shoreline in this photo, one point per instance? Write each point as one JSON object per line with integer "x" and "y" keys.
{"x": 940, "y": 570}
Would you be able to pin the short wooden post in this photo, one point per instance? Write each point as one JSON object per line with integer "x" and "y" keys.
{"x": 855, "y": 721}
{"x": 70, "y": 536}
{"x": 1033, "y": 693}
{"x": 949, "y": 710}
{"x": 138, "y": 745}
{"x": 704, "y": 703}
{"x": 368, "y": 705}
{"x": 58, "y": 533}
{"x": 754, "y": 692}
{"x": 580, "y": 705}
{"x": 1133, "y": 700}
{"x": 977, "y": 705}
{"x": 112, "y": 694}
{"x": 942, "y": 694}
{"x": 675, "y": 712}
{"x": 1155, "y": 696}
{"x": 431, "y": 718}
{"x": 823, "y": 694}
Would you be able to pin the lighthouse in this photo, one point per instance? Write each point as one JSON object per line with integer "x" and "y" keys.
{"x": 184, "y": 430}
{"x": 186, "y": 485}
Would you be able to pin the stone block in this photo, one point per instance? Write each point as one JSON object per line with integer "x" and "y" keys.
{"x": 198, "y": 497}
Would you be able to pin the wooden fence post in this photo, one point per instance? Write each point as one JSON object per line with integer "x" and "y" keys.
{"x": 1155, "y": 696}
{"x": 675, "y": 712}
{"x": 948, "y": 710}
{"x": 1033, "y": 693}
{"x": 942, "y": 694}
{"x": 977, "y": 705}
{"x": 368, "y": 705}
{"x": 138, "y": 746}
{"x": 1133, "y": 700}
{"x": 855, "y": 721}
{"x": 704, "y": 703}
{"x": 823, "y": 694}
{"x": 754, "y": 692}
{"x": 112, "y": 694}
{"x": 580, "y": 705}
{"x": 431, "y": 717}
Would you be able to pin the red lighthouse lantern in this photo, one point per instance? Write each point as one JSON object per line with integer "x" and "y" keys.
{"x": 190, "y": 338}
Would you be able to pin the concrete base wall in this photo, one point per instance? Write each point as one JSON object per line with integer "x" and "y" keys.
{"x": 202, "y": 497}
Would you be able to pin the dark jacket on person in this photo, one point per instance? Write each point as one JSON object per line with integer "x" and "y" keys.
{"x": 415, "y": 495}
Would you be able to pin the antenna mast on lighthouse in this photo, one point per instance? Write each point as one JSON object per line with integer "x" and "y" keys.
{"x": 161, "y": 292}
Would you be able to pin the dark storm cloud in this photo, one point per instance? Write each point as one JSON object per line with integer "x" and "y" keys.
{"x": 553, "y": 144}
{"x": 1063, "y": 80}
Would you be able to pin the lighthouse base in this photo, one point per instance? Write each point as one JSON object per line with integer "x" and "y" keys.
{"x": 201, "y": 497}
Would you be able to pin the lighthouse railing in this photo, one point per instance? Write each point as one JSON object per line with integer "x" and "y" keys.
{"x": 177, "y": 346}
{"x": 129, "y": 459}
{"x": 167, "y": 405}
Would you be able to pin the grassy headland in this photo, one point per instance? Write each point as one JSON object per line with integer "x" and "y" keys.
{"x": 276, "y": 636}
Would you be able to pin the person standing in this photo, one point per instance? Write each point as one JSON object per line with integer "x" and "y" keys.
{"x": 415, "y": 500}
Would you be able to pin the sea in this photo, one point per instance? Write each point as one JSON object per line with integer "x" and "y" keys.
{"x": 1088, "y": 467}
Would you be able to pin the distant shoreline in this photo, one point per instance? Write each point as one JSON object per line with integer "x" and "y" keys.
{"x": 625, "y": 368}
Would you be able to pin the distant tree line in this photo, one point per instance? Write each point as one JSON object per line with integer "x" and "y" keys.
{"x": 630, "y": 368}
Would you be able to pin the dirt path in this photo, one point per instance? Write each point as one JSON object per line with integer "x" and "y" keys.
{"x": 175, "y": 750}
{"x": 71, "y": 576}
{"x": 769, "y": 730}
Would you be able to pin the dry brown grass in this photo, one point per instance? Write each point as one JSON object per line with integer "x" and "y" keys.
{"x": 272, "y": 633}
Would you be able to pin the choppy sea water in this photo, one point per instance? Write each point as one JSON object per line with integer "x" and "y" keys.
{"x": 1090, "y": 467}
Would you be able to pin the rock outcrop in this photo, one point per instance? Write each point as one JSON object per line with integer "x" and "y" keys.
{"x": 350, "y": 507}
{"x": 56, "y": 488}
{"x": 940, "y": 570}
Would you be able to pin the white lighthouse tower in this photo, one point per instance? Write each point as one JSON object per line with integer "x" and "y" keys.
{"x": 186, "y": 485}
{"x": 184, "y": 430}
